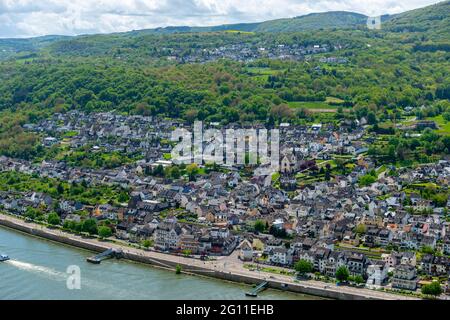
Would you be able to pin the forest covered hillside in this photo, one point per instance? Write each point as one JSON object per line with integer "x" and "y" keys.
{"x": 231, "y": 76}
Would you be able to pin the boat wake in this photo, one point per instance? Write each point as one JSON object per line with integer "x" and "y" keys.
{"x": 41, "y": 270}
{"x": 55, "y": 275}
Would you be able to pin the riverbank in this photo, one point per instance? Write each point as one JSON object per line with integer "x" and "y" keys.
{"x": 225, "y": 268}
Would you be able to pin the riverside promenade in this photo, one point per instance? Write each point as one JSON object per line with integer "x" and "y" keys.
{"x": 228, "y": 268}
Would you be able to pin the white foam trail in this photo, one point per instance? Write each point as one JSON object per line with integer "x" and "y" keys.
{"x": 38, "y": 269}
{"x": 57, "y": 275}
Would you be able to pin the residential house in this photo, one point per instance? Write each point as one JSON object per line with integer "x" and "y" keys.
{"x": 405, "y": 277}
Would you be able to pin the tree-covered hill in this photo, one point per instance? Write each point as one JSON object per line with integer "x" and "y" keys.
{"x": 313, "y": 21}
{"x": 434, "y": 20}
{"x": 381, "y": 74}
{"x": 429, "y": 23}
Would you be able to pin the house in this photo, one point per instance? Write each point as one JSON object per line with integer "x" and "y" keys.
{"x": 280, "y": 256}
{"x": 405, "y": 277}
{"x": 446, "y": 245}
{"x": 356, "y": 263}
{"x": 245, "y": 251}
{"x": 426, "y": 263}
{"x": 49, "y": 141}
{"x": 288, "y": 182}
{"x": 189, "y": 243}
{"x": 335, "y": 260}
{"x": 167, "y": 236}
{"x": 377, "y": 273}
{"x": 288, "y": 164}
{"x": 448, "y": 285}
{"x": 391, "y": 259}
{"x": 272, "y": 243}
{"x": 409, "y": 257}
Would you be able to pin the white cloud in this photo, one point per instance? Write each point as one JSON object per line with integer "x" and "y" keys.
{"x": 25, "y": 18}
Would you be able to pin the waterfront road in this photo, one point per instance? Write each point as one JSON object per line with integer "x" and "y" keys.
{"x": 226, "y": 264}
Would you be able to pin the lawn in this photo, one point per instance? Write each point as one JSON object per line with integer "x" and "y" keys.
{"x": 70, "y": 134}
{"x": 269, "y": 269}
{"x": 240, "y": 32}
{"x": 330, "y": 105}
{"x": 334, "y": 101}
{"x": 263, "y": 71}
{"x": 444, "y": 126}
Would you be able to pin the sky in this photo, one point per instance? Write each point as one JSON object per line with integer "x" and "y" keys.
{"x": 29, "y": 18}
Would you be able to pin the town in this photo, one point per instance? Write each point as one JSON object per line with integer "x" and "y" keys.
{"x": 331, "y": 212}
{"x": 247, "y": 52}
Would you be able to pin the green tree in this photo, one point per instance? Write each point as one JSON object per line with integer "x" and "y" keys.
{"x": 303, "y": 266}
{"x": 427, "y": 249}
{"x": 60, "y": 189}
{"x": 175, "y": 172}
{"x": 371, "y": 118}
{"x": 123, "y": 197}
{"x": 147, "y": 243}
{"x": 192, "y": 170}
{"x": 187, "y": 252}
{"x": 53, "y": 219}
{"x": 90, "y": 226}
{"x": 342, "y": 273}
{"x": 104, "y": 232}
{"x": 433, "y": 289}
{"x": 366, "y": 180}
{"x": 159, "y": 171}
{"x": 361, "y": 228}
{"x": 260, "y": 226}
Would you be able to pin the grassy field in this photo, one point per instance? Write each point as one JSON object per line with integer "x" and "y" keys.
{"x": 261, "y": 75}
{"x": 239, "y": 32}
{"x": 330, "y": 105}
{"x": 334, "y": 100}
{"x": 263, "y": 71}
{"x": 444, "y": 126}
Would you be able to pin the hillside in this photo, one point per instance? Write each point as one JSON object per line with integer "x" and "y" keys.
{"x": 313, "y": 21}
{"x": 10, "y": 47}
{"x": 434, "y": 19}
{"x": 228, "y": 76}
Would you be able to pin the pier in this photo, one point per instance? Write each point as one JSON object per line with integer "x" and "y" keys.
{"x": 108, "y": 254}
{"x": 254, "y": 293}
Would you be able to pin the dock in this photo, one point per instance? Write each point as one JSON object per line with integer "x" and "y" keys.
{"x": 254, "y": 293}
{"x": 108, "y": 254}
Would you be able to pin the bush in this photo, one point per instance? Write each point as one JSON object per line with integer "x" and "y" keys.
{"x": 359, "y": 279}
{"x": 178, "y": 269}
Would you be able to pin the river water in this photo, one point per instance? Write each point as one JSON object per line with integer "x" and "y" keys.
{"x": 38, "y": 270}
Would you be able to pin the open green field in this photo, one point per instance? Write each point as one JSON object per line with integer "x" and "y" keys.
{"x": 444, "y": 126}
{"x": 263, "y": 71}
{"x": 334, "y": 101}
{"x": 239, "y": 32}
{"x": 261, "y": 75}
{"x": 330, "y": 105}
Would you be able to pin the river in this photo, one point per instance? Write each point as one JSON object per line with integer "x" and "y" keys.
{"x": 38, "y": 270}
